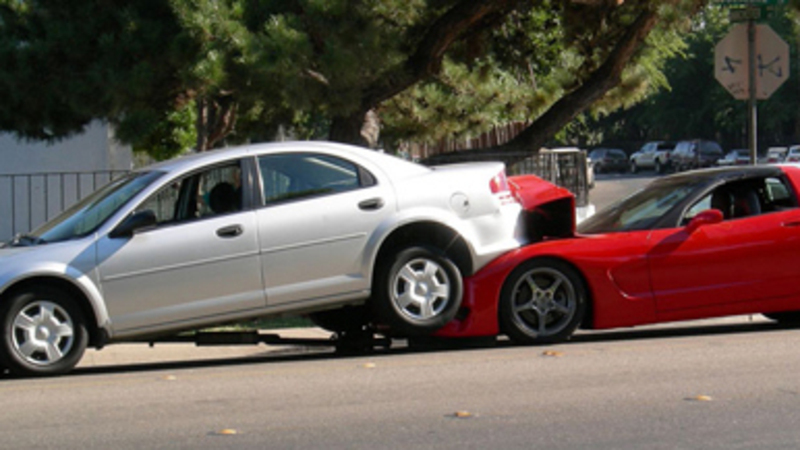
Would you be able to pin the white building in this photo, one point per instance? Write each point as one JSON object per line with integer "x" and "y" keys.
{"x": 38, "y": 180}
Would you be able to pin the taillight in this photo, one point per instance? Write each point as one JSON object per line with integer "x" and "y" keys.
{"x": 499, "y": 183}
{"x": 499, "y": 186}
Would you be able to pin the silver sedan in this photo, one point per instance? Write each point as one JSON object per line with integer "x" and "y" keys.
{"x": 346, "y": 235}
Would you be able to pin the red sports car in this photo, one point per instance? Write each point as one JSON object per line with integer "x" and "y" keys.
{"x": 694, "y": 245}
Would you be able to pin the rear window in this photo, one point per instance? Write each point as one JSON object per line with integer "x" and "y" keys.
{"x": 710, "y": 148}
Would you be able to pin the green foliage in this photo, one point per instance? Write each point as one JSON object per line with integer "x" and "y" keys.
{"x": 528, "y": 63}
{"x": 695, "y": 105}
{"x": 173, "y": 135}
{"x": 262, "y": 65}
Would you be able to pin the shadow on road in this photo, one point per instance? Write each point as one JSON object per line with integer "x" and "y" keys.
{"x": 304, "y": 354}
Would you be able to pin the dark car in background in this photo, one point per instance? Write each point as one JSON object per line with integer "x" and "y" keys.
{"x": 653, "y": 155}
{"x": 695, "y": 154}
{"x": 609, "y": 160}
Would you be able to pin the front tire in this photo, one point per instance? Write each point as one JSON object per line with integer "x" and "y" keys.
{"x": 44, "y": 332}
{"x": 542, "y": 301}
{"x": 634, "y": 167}
{"x": 418, "y": 291}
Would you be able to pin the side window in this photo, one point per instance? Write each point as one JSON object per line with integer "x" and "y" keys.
{"x": 778, "y": 195}
{"x": 746, "y": 198}
{"x": 300, "y": 175}
{"x": 208, "y": 193}
{"x": 702, "y": 205}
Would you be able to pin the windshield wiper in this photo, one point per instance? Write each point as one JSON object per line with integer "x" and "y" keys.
{"x": 25, "y": 240}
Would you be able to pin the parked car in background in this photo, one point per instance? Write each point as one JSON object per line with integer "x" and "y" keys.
{"x": 793, "y": 154}
{"x": 696, "y": 154}
{"x": 609, "y": 160}
{"x": 254, "y": 231}
{"x": 776, "y": 155}
{"x": 710, "y": 243}
{"x": 653, "y": 155}
{"x": 738, "y": 157}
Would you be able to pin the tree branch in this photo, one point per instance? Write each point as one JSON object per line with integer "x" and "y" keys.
{"x": 606, "y": 77}
{"x": 427, "y": 59}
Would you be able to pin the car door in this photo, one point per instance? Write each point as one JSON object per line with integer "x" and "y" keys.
{"x": 647, "y": 157}
{"x": 315, "y": 227}
{"x": 748, "y": 257}
{"x": 200, "y": 260}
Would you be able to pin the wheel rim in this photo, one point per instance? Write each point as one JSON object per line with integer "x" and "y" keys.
{"x": 543, "y": 302}
{"x": 421, "y": 289}
{"x": 42, "y": 333}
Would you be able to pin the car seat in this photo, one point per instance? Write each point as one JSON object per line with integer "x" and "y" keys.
{"x": 746, "y": 203}
{"x": 721, "y": 200}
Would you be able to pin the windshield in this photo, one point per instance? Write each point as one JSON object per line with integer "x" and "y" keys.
{"x": 88, "y": 214}
{"x": 642, "y": 210}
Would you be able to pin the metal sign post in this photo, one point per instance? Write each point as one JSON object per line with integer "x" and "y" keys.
{"x": 752, "y": 105}
{"x": 755, "y": 73}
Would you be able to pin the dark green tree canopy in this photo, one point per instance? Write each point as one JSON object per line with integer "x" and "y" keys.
{"x": 239, "y": 69}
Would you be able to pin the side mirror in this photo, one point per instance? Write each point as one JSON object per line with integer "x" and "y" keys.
{"x": 707, "y": 217}
{"x": 133, "y": 223}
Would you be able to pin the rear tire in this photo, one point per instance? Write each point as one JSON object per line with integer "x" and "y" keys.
{"x": 417, "y": 291}
{"x": 44, "y": 332}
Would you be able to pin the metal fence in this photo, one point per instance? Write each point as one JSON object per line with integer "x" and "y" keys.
{"x": 566, "y": 168}
{"x": 28, "y": 200}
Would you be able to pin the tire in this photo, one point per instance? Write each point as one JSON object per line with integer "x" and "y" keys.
{"x": 342, "y": 320}
{"x": 543, "y": 301}
{"x": 658, "y": 167}
{"x": 634, "y": 167}
{"x": 417, "y": 291}
{"x": 44, "y": 332}
{"x": 784, "y": 318}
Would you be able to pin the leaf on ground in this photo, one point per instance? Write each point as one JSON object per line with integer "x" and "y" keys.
{"x": 170, "y": 378}
{"x": 700, "y": 398}
{"x": 226, "y": 432}
{"x": 369, "y": 365}
{"x": 462, "y": 415}
{"x": 552, "y": 354}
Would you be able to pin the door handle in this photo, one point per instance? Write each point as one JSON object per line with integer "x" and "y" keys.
{"x": 371, "y": 204}
{"x": 230, "y": 231}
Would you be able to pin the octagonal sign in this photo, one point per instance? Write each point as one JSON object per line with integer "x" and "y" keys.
{"x": 731, "y": 62}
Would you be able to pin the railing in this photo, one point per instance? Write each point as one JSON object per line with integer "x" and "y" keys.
{"x": 28, "y": 200}
{"x": 566, "y": 168}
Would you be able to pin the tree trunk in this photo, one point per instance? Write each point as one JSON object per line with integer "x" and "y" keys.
{"x": 347, "y": 129}
{"x": 216, "y": 119}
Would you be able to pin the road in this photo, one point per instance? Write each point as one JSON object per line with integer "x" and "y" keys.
{"x": 612, "y": 186}
{"x": 728, "y": 385}
{"x": 722, "y": 384}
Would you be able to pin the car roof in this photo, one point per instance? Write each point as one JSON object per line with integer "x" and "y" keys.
{"x": 722, "y": 174}
{"x": 188, "y": 162}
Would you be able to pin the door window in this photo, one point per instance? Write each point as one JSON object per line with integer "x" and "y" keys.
{"x": 208, "y": 193}
{"x": 287, "y": 177}
{"x": 746, "y": 198}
